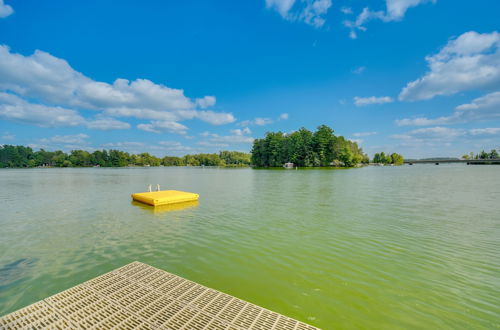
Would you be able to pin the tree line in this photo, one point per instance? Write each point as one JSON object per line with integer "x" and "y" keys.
{"x": 21, "y": 156}
{"x": 394, "y": 158}
{"x": 304, "y": 148}
{"x": 493, "y": 154}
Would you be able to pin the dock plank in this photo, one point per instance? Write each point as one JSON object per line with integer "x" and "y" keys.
{"x": 139, "y": 296}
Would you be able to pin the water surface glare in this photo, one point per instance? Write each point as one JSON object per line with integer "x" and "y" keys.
{"x": 376, "y": 247}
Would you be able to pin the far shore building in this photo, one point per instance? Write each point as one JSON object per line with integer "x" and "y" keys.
{"x": 288, "y": 165}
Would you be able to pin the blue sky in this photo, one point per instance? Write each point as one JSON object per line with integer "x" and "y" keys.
{"x": 419, "y": 77}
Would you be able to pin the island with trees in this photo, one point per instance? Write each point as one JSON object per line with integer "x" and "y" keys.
{"x": 389, "y": 159}
{"x": 304, "y": 148}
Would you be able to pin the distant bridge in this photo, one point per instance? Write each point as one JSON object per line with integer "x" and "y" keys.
{"x": 446, "y": 161}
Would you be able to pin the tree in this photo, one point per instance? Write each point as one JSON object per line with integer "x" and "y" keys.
{"x": 235, "y": 158}
{"x": 20, "y": 156}
{"x": 305, "y": 148}
{"x": 346, "y": 156}
{"x": 397, "y": 159}
{"x": 79, "y": 158}
{"x": 172, "y": 161}
{"x": 323, "y": 140}
{"x": 394, "y": 158}
{"x": 494, "y": 154}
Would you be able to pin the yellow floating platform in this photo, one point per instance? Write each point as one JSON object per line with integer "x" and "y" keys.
{"x": 165, "y": 197}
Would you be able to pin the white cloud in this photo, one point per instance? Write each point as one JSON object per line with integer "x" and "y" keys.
{"x": 105, "y": 124}
{"x": 212, "y": 144}
{"x": 281, "y": 6}
{"x": 362, "y": 101}
{"x": 240, "y": 132}
{"x": 5, "y": 10}
{"x": 7, "y": 137}
{"x": 51, "y": 81}
{"x": 421, "y": 121}
{"x": 140, "y": 113}
{"x": 16, "y": 109}
{"x": 206, "y": 101}
{"x": 237, "y": 136}
{"x": 127, "y": 145}
{"x": 160, "y": 149}
{"x": 483, "y": 108}
{"x": 485, "y": 131}
{"x": 359, "y": 70}
{"x": 314, "y": 12}
{"x": 259, "y": 121}
{"x": 283, "y": 116}
{"x": 163, "y": 126}
{"x": 175, "y": 147}
{"x": 170, "y": 143}
{"x": 361, "y": 134}
{"x": 13, "y": 108}
{"x": 232, "y": 139}
{"x": 469, "y": 62}
{"x": 215, "y": 118}
{"x": 448, "y": 137}
{"x": 346, "y": 10}
{"x": 311, "y": 12}
{"x": 67, "y": 139}
{"x": 262, "y": 121}
{"x": 63, "y": 142}
{"x": 395, "y": 11}
{"x": 489, "y": 101}
{"x": 431, "y": 133}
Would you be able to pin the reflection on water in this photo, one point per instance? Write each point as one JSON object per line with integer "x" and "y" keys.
{"x": 159, "y": 209}
{"x": 376, "y": 247}
{"x": 14, "y": 271}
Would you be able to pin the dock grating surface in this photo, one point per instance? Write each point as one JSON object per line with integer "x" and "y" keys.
{"x": 139, "y": 296}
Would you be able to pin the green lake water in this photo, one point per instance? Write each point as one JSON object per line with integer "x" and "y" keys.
{"x": 377, "y": 247}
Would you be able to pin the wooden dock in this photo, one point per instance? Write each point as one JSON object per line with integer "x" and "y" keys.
{"x": 138, "y": 296}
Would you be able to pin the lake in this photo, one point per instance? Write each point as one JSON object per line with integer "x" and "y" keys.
{"x": 375, "y": 247}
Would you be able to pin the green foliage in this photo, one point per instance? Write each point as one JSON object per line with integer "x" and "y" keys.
{"x": 397, "y": 159}
{"x": 20, "y": 156}
{"x": 235, "y": 158}
{"x": 304, "y": 148}
{"x": 172, "y": 161}
{"x": 203, "y": 160}
{"x": 493, "y": 154}
{"x": 484, "y": 155}
{"x": 15, "y": 156}
{"x": 394, "y": 158}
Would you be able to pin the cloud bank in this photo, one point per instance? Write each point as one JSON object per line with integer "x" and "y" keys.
{"x": 57, "y": 93}
{"x": 469, "y": 62}
{"x": 362, "y": 101}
